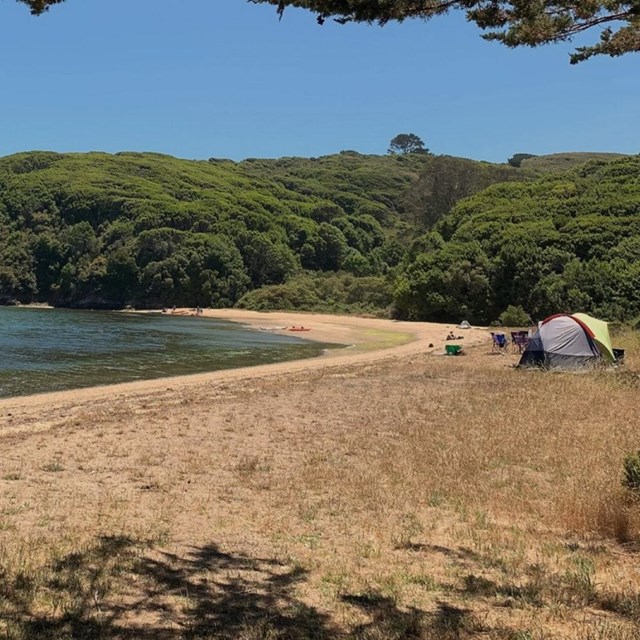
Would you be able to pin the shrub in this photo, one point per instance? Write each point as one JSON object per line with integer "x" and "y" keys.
{"x": 324, "y": 292}
{"x": 632, "y": 471}
{"x": 515, "y": 317}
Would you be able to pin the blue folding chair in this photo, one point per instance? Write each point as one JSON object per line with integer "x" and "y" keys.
{"x": 500, "y": 343}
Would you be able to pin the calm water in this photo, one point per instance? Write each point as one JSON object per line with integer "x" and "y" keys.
{"x": 49, "y": 350}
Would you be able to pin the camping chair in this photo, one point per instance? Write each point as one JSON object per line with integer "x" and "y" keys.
{"x": 519, "y": 340}
{"x": 500, "y": 343}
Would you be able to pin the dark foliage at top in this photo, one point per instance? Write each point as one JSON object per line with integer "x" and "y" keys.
{"x": 512, "y": 22}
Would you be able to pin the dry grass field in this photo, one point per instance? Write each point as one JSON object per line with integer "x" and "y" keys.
{"x": 418, "y": 497}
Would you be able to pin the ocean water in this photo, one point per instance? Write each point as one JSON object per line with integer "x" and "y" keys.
{"x": 51, "y": 350}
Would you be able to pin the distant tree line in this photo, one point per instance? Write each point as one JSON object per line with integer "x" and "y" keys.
{"x": 419, "y": 236}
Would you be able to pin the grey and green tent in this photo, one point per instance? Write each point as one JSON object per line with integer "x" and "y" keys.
{"x": 567, "y": 341}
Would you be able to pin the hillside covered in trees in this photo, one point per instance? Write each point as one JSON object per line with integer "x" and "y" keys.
{"x": 97, "y": 230}
{"x": 414, "y": 235}
{"x": 104, "y": 231}
{"x": 565, "y": 242}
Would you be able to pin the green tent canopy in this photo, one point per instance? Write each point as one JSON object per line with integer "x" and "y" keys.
{"x": 600, "y": 330}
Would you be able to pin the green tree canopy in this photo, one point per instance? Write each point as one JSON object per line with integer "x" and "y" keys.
{"x": 103, "y": 231}
{"x": 565, "y": 242}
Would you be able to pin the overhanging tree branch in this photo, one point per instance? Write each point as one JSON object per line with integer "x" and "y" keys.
{"x": 512, "y": 22}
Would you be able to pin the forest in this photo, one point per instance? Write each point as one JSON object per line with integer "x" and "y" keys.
{"x": 565, "y": 242}
{"x": 408, "y": 235}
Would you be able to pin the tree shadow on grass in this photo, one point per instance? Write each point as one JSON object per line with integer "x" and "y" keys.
{"x": 389, "y": 622}
{"x": 460, "y": 554}
{"x": 120, "y": 588}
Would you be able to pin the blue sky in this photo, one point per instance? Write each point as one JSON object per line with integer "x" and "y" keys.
{"x": 225, "y": 78}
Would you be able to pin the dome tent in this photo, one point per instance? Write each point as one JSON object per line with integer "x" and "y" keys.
{"x": 569, "y": 342}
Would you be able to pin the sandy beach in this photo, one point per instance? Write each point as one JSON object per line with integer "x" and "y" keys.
{"x": 364, "y": 340}
{"x": 378, "y": 492}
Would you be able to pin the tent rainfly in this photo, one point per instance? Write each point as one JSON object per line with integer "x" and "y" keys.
{"x": 569, "y": 342}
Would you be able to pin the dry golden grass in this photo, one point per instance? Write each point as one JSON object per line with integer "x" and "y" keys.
{"x": 424, "y": 497}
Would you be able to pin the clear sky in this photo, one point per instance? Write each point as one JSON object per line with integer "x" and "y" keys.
{"x": 225, "y": 78}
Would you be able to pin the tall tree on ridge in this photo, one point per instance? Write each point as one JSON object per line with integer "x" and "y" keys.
{"x": 407, "y": 143}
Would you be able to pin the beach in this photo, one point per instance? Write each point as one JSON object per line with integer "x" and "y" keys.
{"x": 363, "y": 340}
{"x": 378, "y": 488}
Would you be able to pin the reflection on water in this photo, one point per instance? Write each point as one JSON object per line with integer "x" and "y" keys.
{"x": 50, "y": 349}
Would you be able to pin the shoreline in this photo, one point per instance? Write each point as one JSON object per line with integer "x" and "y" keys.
{"x": 365, "y": 340}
